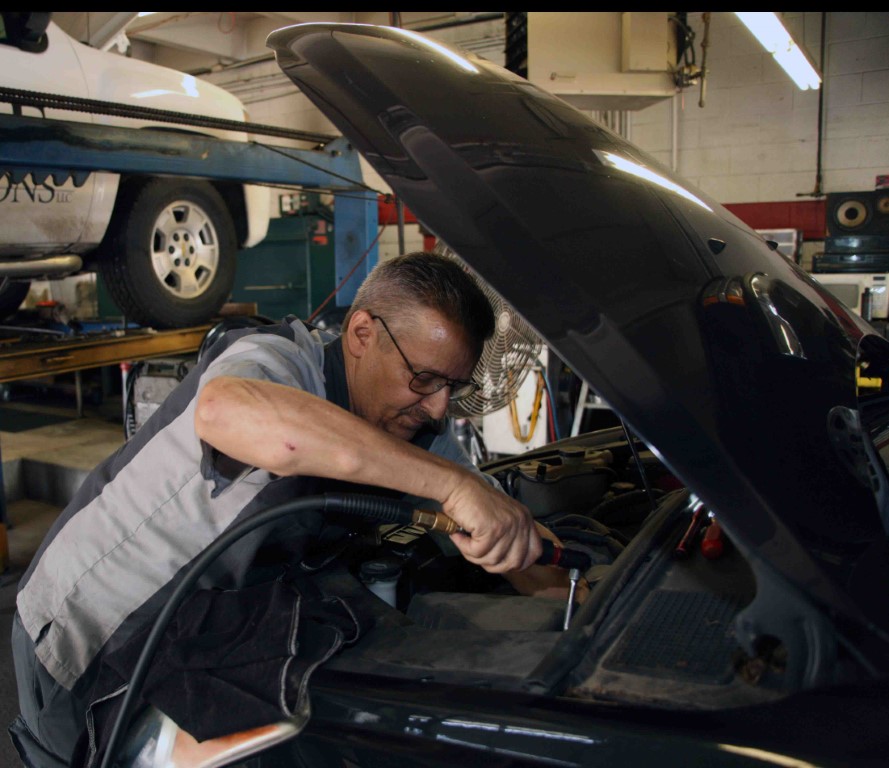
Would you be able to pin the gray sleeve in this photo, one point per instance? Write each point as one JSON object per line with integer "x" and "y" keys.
{"x": 271, "y": 357}
{"x": 266, "y": 357}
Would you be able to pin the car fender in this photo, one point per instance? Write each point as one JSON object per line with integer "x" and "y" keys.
{"x": 103, "y": 200}
{"x": 257, "y": 204}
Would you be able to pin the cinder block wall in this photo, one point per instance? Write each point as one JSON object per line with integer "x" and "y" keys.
{"x": 756, "y": 137}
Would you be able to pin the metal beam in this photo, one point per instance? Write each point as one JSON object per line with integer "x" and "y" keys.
{"x": 59, "y": 147}
{"x": 355, "y": 235}
{"x": 111, "y": 26}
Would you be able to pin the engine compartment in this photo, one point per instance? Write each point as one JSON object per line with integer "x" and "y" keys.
{"x": 657, "y": 627}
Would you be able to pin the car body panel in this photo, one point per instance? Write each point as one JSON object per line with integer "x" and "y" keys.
{"x": 373, "y": 720}
{"x": 257, "y": 203}
{"x": 55, "y": 218}
{"x": 71, "y": 68}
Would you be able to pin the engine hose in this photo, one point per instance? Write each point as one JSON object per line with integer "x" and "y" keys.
{"x": 525, "y": 437}
{"x": 612, "y": 544}
{"x": 509, "y": 482}
{"x": 584, "y": 523}
{"x": 594, "y": 526}
{"x": 391, "y": 510}
{"x": 580, "y": 521}
{"x": 623, "y": 503}
{"x": 129, "y": 424}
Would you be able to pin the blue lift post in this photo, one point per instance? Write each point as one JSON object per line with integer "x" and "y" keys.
{"x": 62, "y": 149}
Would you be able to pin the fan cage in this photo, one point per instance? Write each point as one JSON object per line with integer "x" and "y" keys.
{"x": 507, "y": 357}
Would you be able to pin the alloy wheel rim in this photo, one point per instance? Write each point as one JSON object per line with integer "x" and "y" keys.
{"x": 184, "y": 249}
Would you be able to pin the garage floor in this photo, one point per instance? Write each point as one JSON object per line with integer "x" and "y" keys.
{"x": 44, "y": 461}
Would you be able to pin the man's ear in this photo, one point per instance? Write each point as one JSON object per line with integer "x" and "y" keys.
{"x": 358, "y": 334}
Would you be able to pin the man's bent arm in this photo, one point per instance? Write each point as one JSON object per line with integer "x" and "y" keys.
{"x": 288, "y": 431}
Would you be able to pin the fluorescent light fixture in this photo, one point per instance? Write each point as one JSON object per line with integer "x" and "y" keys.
{"x": 768, "y": 29}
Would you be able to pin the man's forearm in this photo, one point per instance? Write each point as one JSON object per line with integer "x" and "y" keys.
{"x": 287, "y": 431}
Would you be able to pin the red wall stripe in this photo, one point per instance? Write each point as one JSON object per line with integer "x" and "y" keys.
{"x": 808, "y": 215}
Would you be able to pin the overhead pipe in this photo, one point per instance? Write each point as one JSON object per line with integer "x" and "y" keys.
{"x": 705, "y": 44}
{"x": 395, "y": 21}
{"x": 817, "y": 192}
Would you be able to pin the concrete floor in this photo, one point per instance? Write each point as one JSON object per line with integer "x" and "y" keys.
{"x": 42, "y": 468}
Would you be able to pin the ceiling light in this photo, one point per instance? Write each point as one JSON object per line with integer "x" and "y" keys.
{"x": 768, "y": 29}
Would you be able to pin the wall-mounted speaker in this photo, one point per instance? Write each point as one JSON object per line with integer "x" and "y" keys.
{"x": 858, "y": 213}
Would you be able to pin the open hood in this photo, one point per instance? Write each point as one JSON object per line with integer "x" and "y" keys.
{"x": 752, "y": 383}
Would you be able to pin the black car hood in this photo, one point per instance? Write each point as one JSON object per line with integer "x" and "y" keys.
{"x": 727, "y": 360}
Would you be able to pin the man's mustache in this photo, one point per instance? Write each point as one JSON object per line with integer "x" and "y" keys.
{"x": 436, "y": 425}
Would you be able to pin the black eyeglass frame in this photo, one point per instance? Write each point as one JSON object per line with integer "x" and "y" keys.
{"x": 460, "y": 388}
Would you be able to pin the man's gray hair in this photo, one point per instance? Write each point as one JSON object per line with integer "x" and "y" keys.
{"x": 399, "y": 286}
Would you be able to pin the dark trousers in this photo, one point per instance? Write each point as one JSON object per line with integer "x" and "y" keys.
{"x": 51, "y": 719}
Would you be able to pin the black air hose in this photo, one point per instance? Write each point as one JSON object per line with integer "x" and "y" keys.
{"x": 129, "y": 421}
{"x": 588, "y": 537}
{"x": 625, "y": 508}
{"x": 386, "y": 510}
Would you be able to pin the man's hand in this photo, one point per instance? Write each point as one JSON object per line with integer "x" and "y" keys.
{"x": 499, "y": 532}
{"x": 546, "y": 580}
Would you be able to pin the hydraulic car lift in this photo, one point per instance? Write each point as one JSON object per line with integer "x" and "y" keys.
{"x": 61, "y": 150}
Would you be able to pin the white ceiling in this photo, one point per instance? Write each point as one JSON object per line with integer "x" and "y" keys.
{"x": 202, "y": 42}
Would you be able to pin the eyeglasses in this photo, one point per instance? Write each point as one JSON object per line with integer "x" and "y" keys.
{"x": 428, "y": 382}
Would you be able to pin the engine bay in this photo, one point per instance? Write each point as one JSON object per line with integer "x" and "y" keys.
{"x": 657, "y": 627}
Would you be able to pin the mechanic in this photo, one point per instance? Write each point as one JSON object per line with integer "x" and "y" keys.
{"x": 268, "y": 414}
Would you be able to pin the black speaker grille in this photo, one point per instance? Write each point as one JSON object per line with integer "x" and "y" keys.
{"x": 858, "y": 213}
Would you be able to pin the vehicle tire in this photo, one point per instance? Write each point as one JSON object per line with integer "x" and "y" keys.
{"x": 169, "y": 255}
{"x": 12, "y": 294}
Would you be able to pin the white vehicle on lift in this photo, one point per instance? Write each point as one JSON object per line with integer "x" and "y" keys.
{"x": 166, "y": 246}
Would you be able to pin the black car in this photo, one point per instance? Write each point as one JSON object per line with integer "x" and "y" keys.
{"x": 753, "y": 408}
